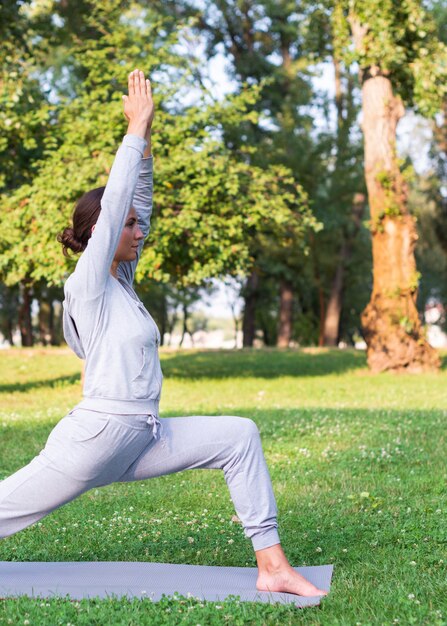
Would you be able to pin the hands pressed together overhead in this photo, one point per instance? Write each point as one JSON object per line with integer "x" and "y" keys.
{"x": 138, "y": 104}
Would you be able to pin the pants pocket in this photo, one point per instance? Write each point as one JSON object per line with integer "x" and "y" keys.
{"x": 87, "y": 428}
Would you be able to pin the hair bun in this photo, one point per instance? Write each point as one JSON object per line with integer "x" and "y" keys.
{"x": 68, "y": 239}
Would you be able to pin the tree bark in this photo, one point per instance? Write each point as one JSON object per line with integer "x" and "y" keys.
{"x": 44, "y": 320}
{"x": 25, "y": 324}
{"x": 285, "y": 313}
{"x": 249, "y": 318}
{"x": 334, "y": 305}
{"x": 56, "y": 314}
{"x": 391, "y": 324}
{"x": 51, "y": 324}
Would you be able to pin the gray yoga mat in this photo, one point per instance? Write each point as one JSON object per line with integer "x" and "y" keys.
{"x": 147, "y": 580}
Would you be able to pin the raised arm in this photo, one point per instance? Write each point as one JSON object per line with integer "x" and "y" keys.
{"x": 142, "y": 203}
{"x": 93, "y": 268}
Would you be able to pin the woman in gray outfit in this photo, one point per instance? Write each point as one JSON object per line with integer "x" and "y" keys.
{"x": 115, "y": 433}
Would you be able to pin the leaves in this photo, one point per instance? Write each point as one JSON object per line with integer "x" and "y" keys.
{"x": 399, "y": 37}
{"x": 209, "y": 205}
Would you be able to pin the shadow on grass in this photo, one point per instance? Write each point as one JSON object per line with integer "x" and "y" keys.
{"x": 377, "y": 426}
{"x": 266, "y": 363}
{"x": 51, "y": 383}
{"x": 246, "y": 363}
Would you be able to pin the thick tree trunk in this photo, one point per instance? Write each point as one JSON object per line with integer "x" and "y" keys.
{"x": 391, "y": 324}
{"x": 285, "y": 313}
{"x": 25, "y": 324}
{"x": 249, "y": 318}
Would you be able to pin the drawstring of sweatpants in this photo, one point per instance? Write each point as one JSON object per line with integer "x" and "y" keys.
{"x": 153, "y": 421}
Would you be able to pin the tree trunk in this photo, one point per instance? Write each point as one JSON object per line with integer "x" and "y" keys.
{"x": 391, "y": 324}
{"x": 185, "y": 326}
{"x": 285, "y": 313}
{"x": 51, "y": 324}
{"x": 164, "y": 320}
{"x": 9, "y": 332}
{"x": 235, "y": 321}
{"x": 333, "y": 311}
{"x": 248, "y": 322}
{"x": 25, "y": 324}
{"x": 335, "y": 304}
{"x": 322, "y": 317}
{"x": 56, "y": 322}
{"x": 171, "y": 325}
{"x": 44, "y": 321}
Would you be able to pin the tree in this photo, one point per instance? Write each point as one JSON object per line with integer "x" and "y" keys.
{"x": 400, "y": 64}
{"x": 211, "y": 204}
{"x": 277, "y": 46}
{"x": 25, "y": 114}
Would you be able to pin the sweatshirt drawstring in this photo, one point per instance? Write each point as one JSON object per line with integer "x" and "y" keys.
{"x": 153, "y": 421}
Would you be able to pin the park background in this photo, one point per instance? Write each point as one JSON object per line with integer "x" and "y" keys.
{"x": 300, "y": 172}
{"x": 260, "y": 170}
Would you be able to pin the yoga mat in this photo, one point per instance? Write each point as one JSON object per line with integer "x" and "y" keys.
{"x": 147, "y": 580}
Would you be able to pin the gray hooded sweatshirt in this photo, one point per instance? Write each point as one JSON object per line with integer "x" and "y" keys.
{"x": 104, "y": 321}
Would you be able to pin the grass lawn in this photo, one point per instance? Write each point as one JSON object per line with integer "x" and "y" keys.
{"x": 358, "y": 464}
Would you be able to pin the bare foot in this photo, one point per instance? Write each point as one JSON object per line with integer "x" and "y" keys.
{"x": 287, "y": 581}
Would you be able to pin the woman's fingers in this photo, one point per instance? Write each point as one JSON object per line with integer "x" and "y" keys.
{"x": 142, "y": 84}
{"x": 138, "y": 85}
{"x": 131, "y": 83}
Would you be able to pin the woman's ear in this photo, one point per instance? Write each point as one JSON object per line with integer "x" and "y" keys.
{"x": 93, "y": 228}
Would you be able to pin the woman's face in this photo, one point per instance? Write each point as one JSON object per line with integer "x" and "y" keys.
{"x": 130, "y": 238}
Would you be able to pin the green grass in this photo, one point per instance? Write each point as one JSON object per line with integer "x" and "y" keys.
{"x": 358, "y": 464}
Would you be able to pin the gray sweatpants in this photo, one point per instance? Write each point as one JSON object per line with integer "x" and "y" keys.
{"x": 88, "y": 449}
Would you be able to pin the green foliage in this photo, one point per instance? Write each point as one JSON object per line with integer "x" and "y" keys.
{"x": 25, "y": 110}
{"x": 399, "y": 37}
{"x": 407, "y": 324}
{"x": 207, "y": 227}
{"x": 210, "y": 205}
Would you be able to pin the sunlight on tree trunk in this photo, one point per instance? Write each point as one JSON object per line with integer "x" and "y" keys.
{"x": 390, "y": 321}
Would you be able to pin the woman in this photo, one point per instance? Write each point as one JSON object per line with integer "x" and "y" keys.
{"x": 115, "y": 434}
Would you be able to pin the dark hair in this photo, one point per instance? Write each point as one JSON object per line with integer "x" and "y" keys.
{"x": 86, "y": 213}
